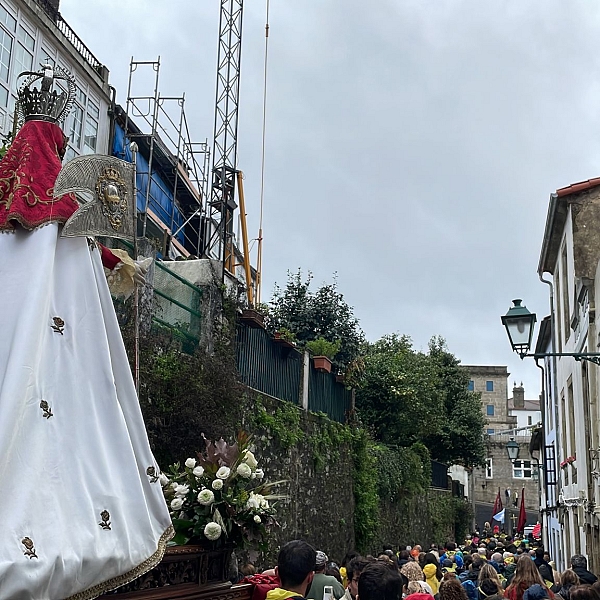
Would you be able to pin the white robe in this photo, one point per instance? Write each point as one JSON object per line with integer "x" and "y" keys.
{"x": 72, "y": 438}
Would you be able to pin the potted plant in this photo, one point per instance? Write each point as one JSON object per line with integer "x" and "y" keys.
{"x": 323, "y": 352}
{"x": 285, "y": 338}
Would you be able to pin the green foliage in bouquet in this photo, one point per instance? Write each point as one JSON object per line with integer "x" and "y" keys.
{"x": 221, "y": 497}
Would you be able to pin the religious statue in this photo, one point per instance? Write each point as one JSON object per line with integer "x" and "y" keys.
{"x": 81, "y": 504}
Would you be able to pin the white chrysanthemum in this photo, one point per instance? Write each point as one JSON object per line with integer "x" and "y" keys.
{"x": 223, "y": 472}
{"x": 206, "y": 497}
{"x": 250, "y": 460}
{"x": 190, "y": 463}
{"x": 244, "y": 471}
{"x": 198, "y": 471}
{"x": 217, "y": 484}
{"x": 182, "y": 490}
{"x": 259, "y": 473}
{"x": 257, "y": 519}
{"x": 176, "y": 503}
{"x": 212, "y": 531}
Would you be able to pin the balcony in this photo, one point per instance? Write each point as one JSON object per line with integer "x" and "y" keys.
{"x": 50, "y": 8}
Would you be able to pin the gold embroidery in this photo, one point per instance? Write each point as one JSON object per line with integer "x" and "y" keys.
{"x": 151, "y": 472}
{"x": 29, "y": 548}
{"x": 105, "y": 516}
{"x": 128, "y": 577}
{"x": 46, "y": 409}
{"x": 59, "y": 325}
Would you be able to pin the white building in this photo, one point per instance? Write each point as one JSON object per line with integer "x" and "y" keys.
{"x": 32, "y": 32}
{"x": 570, "y": 255}
{"x": 528, "y": 412}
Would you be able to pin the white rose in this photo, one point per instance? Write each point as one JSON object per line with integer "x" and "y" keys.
{"x": 217, "y": 484}
{"x": 223, "y": 472}
{"x": 176, "y": 503}
{"x": 259, "y": 473}
{"x": 212, "y": 531}
{"x": 257, "y": 519}
{"x": 190, "y": 463}
{"x": 198, "y": 471}
{"x": 206, "y": 497}
{"x": 174, "y": 485}
{"x": 164, "y": 480}
{"x": 252, "y": 503}
{"x": 182, "y": 490}
{"x": 250, "y": 460}
{"x": 244, "y": 471}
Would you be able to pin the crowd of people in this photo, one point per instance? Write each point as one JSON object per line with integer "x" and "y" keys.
{"x": 491, "y": 568}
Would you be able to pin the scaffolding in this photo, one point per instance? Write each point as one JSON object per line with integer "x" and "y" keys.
{"x": 172, "y": 171}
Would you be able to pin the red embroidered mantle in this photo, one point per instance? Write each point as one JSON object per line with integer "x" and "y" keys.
{"x": 27, "y": 175}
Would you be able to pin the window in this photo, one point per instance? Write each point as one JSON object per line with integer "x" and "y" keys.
{"x": 489, "y": 410}
{"x": 489, "y": 469}
{"x": 522, "y": 469}
{"x": 23, "y": 55}
{"x": 471, "y": 386}
{"x": 489, "y": 386}
{"x": 76, "y": 125}
{"x": 490, "y": 431}
{"x": 7, "y": 19}
{"x": 91, "y": 135}
{"x": 529, "y": 420}
{"x": 6, "y": 43}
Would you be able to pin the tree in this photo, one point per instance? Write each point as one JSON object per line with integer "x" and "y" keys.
{"x": 407, "y": 397}
{"x": 309, "y": 315}
{"x": 460, "y": 438}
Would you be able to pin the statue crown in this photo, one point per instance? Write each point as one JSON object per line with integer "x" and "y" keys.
{"x": 43, "y": 103}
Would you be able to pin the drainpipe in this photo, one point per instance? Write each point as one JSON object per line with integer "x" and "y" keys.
{"x": 112, "y": 110}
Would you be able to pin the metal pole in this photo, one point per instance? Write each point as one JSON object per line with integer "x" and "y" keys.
{"x": 136, "y": 302}
{"x": 240, "y": 186}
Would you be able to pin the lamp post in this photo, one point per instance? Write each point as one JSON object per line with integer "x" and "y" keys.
{"x": 519, "y": 324}
{"x": 512, "y": 449}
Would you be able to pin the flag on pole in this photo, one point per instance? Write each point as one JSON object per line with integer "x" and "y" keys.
{"x": 522, "y": 514}
{"x": 499, "y": 516}
{"x": 497, "y": 505}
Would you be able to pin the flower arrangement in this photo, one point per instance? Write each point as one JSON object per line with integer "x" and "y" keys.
{"x": 568, "y": 461}
{"x": 220, "y": 496}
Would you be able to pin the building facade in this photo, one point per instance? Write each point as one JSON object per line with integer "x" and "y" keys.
{"x": 32, "y": 33}
{"x": 500, "y": 473}
{"x": 569, "y": 265}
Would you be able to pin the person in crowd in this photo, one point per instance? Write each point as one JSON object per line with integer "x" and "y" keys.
{"x": 453, "y": 555}
{"x": 489, "y": 583}
{"x": 432, "y": 571}
{"x": 510, "y": 567}
{"x": 543, "y": 567}
{"x": 470, "y": 579}
{"x": 349, "y": 556}
{"x": 333, "y": 571}
{"x": 496, "y": 562}
{"x": 413, "y": 572}
{"x": 403, "y": 558}
{"x": 320, "y": 579}
{"x": 248, "y": 569}
{"x": 353, "y": 570}
{"x": 451, "y": 589}
{"x": 536, "y": 592}
{"x": 379, "y": 581}
{"x": 585, "y": 592}
{"x": 295, "y": 568}
{"x": 568, "y": 580}
{"x": 526, "y": 575}
{"x": 579, "y": 565}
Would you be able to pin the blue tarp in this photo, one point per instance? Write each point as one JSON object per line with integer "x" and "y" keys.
{"x": 160, "y": 201}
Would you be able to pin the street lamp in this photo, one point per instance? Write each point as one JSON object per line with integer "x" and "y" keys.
{"x": 512, "y": 448}
{"x": 519, "y": 323}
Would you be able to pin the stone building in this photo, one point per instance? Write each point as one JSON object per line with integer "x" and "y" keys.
{"x": 500, "y": 473}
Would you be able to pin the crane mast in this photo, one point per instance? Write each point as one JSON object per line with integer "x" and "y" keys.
{"x": 219, "y": 213}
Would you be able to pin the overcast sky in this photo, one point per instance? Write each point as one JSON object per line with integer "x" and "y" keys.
{"x": 411, "y": 146}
